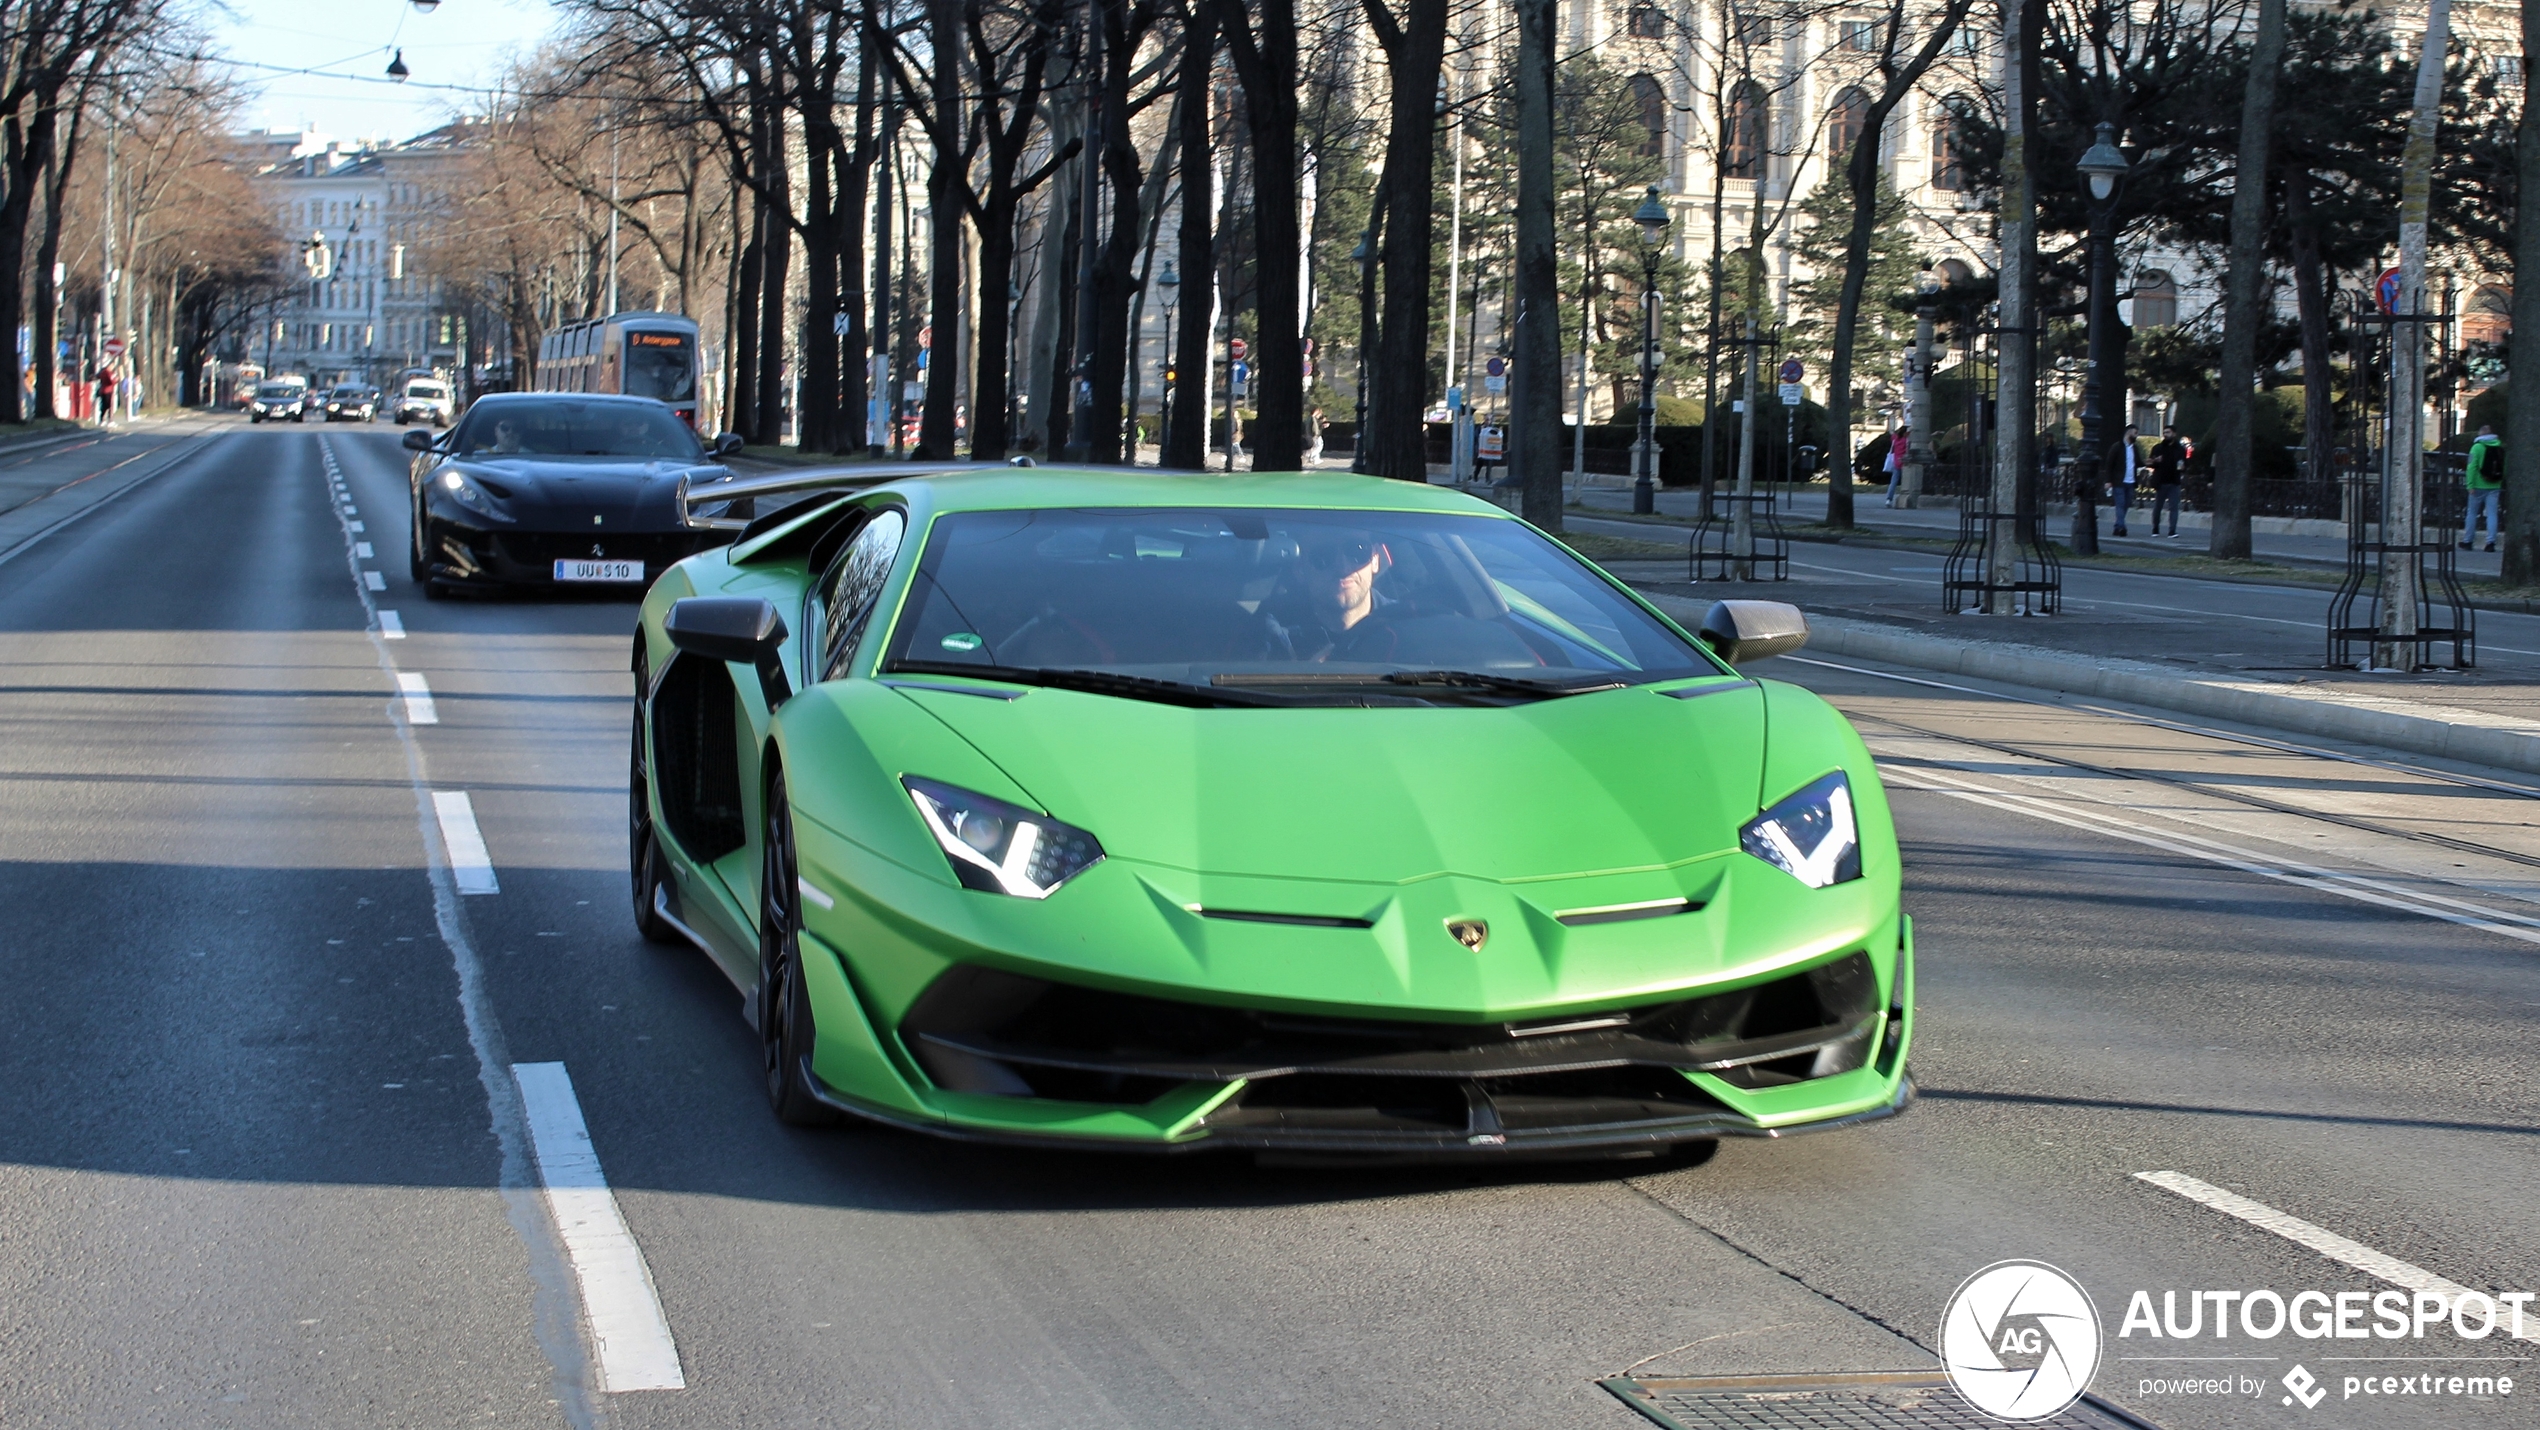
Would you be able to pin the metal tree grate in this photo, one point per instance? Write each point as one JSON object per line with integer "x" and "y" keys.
{"x": 1877, "y": 1400}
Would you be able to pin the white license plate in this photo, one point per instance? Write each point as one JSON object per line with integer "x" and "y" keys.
{"x": 599, "y": 570}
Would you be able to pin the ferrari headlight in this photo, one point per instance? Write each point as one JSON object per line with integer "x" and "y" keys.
{"x": 1001, "y": 848}
{"x": 1810, "y": 835}
{"x": 457, "y": 484}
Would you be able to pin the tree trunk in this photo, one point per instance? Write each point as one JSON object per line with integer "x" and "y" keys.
{"x": 948, "y": 199}
{"x": 1269, "y": 77}
{"x": 1535, "y": 402}
{"x": 1415, "y": 51}
{"x": 2015, "y": 428}
{"x": 992, "y": 376}
{"x": 2522, "y": 412}
{"x": 1186, "y": 444}
{"x": 2314, "y": 288}
{"x": 742, "y": 365}
{"x": 2248, "y": 300}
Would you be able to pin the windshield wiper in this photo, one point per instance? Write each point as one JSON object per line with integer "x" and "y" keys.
{"x": 1453, "y": 679}
{"x": 1097, "y": 682}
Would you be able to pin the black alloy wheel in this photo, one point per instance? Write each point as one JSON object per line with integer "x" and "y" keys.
{"x": 784, "y": 1009}
{"x": 643, "y": 847}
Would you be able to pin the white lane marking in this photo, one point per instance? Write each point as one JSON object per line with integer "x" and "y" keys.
{"x": 391, "y": 626}
{"x": 471, "y": 868}
{"x": 628, "y": 1330}
{"x": 553, "y": 1297}
{"x": 419, "y": 707}
{"x": 2329, "y": 1244}
{"x": 2247, "y": 861}
{"x": 362, "y": 550}
{"x": 817, "y": 898}
{"x": 372, "y": 580}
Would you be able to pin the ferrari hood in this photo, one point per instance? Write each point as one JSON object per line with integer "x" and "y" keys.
{"x": 1622, "y": 780}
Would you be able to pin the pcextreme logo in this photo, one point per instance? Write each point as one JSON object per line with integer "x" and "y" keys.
{"x": 2020, "y": 1340}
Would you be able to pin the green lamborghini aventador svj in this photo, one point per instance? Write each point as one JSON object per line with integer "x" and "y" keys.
{"x": 1315, "y": 814}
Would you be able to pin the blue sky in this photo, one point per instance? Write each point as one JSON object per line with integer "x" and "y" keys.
{"x": 462, "y": 43}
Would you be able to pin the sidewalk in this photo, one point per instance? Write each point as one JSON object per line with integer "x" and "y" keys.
{"x": 2243, "y": 652}
{"x": 2295, "y": 542}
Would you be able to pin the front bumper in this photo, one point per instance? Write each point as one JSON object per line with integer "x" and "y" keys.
{"x": 461, "y": 553}
{"x": 1578, "y": 1080}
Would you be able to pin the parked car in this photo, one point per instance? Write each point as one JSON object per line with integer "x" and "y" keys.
{"x": 279, "y": 402}
{"x": 353, "y": 402}
{"x": 422, "y": 400}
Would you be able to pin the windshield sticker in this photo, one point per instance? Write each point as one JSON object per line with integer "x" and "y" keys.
{"x": 962, "y": 641}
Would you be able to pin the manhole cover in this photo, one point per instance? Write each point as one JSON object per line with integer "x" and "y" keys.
{"x": 1874, "y": 1400}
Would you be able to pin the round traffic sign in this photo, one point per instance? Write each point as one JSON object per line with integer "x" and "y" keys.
{"x": 114, "y": 347}
{"x": 1496, "y": 367}
{"x": 2385, "y": 291}
{"x": 1793, "y": 370}
{"x": 1237, "y": 347}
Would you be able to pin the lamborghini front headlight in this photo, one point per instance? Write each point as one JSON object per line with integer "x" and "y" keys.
{"x": 1002, "y": 848}
{"x": 1810, "y": 835}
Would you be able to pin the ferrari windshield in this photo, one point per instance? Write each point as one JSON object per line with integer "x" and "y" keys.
{"x": 566, "y": 427}
{"x": 1303, "y": 605}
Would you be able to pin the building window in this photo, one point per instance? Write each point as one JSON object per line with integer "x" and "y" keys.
{"x": 1647, "y": 22}
{"x": 1742, "y": 149}
{"x": 1752, "y": 30}
{"x": 1843, "y": 127}
{"x": 2509, "y": 70}
{"x": 1948, "y": 171}
{"x": 2155, "y": 300}
{"x": 1652, "y": 101}
{"x": 1858, "y": 36}
{"x": 1966, "y": 41}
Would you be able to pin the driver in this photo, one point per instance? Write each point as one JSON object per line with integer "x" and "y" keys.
{"x": 1328, "y": 592}
{"x": 507, "y": 438}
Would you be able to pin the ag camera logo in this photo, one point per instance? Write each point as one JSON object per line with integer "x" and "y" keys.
{"x": 2020, "y": 1340}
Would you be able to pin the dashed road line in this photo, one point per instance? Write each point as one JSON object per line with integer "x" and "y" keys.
{"x": 471, "y": 868}
{"x": 374, "y": 581}
{"x": 392, "y": 626}
{"x": 2329, "y": 1244}
{"x": 362, "y": 550}
{"x": 418, "y": 695}
{"x": 628, "y": 1330}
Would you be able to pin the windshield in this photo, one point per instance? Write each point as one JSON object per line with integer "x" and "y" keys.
{"x": 660, "y": 365}
{"x": 428, "y": 391}
{"x": 348, "y": 394}
{"x": 279, "y": 389}
{"x": 562, "y": 427}
{"x": 1320, "y": 606}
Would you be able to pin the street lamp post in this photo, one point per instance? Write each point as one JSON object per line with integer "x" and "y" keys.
{"x": 1918, "y": 453}
{"x": 2103, "y": 171}
{"x": 1653, "y": 219}
{"x": 1169, "y": 287}
{"x": 1364, "y": 255}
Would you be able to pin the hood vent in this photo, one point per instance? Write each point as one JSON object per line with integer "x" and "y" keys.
{"x": 1624, "y": 913}
{"x": 1310, "y": 921}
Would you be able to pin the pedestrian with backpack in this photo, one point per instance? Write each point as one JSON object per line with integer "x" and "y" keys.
{"x": 2168, "y": 456}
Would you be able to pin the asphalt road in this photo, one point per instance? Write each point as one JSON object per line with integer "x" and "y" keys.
{"x": 263, "y": 1161}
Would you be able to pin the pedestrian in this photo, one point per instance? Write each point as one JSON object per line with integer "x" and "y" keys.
{"x": 2120, "y": 477}
{"x": 1314, "y": 438}
{"x": 105, "y": 397}
{"x": 2169, "y": 457}
{"x": 2485, "y": 478}
{"x": 1896, "y": 442}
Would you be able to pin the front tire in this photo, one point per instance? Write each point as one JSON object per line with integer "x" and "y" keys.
{"x": 784, "y": 1010}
